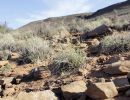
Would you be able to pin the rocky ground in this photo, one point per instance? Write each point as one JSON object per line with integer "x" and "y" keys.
{"x": 104, "y": 77}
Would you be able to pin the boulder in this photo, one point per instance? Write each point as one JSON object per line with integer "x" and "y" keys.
{"x": 8, "y": 80}
{"x": 118, "y": 68}
{"x": 121, "y": 83}
{"x": 95, "y": 42}
{"x": 128, "y": 76}
{"x": 99, "y": 31}
{"x": 1, "y": 82}
{"x": 82, "y": 71}
{"x": 74, "y": 90}
{"x": 127, "y": 93}
{"x": 9, "y": 91}
{"x": 41, "y": 95}
{"x": 102, "y": 90}
{"x": 1, "y": 91}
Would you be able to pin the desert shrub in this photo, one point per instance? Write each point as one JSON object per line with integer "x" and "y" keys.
{"x": 119, "y": 22}
{"x": 116, "y": 43}
{"x": 4, "y": 28}
{"x": 51, "y": 31}
{"x": 5, "y": 69}
{"x": 7, "y": 42}
{"x": 22, "y": 35}
{"x": 98, "y": 22}
{"x": 5, "y": 55}
{"x": 34, "y": 49}
{"x": 67, "y": 62}
{"x": 83, "y": 26}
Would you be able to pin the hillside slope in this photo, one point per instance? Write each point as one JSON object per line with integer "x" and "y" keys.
{"x": 51, "y": 21}
{"x": 120, "y": 10}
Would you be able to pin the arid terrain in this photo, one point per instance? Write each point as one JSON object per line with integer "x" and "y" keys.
{"x": 78, "y": 57}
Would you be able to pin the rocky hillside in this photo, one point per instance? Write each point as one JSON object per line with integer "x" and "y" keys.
{"x": 52, "y": 21}
{"x": 118, "y": 11}
{"x": 51, "y": 63}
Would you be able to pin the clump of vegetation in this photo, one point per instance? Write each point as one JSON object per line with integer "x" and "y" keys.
{"x": 7, "y": 42}
{"x": 4, "y": 28}
{"x": 5, "y": 55}
{"x": 98, "y": 22}
{"x": 116, "y": 43}
{"x": 119, "y": 22}
{"x": 22, "y": 36}
{"x": 68, "y": 62}
{"x": 5, "y": 69}
{"x": 34, "y": 49}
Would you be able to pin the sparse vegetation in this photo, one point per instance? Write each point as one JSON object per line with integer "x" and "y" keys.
{"x": 35, "y": 49}
{"x": 5, "y": 69}
{"x": 116, "y": 43}
{"x": 4, "y": 28}
{"x": 68, "y": 61}
{"x": 5, "y": 55}
{"x": 7, "y": 42}
{"x": 98, "y": 22}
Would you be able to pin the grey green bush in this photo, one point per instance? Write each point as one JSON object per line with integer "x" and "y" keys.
{"x": 34, "y": 49}
{"x": 5, "y": 69}
{"x": 116, "y": 43}
{"x": 68, "y": 61}
{"x": 7, "y": 42}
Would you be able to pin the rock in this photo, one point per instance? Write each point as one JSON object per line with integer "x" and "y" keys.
{"x": 38, "y": 73}
{"x": 74, "y": 90}
{"x": 8, "y": 98}
{"x": 127, "y": 93}
{"x": 102, "y": 90}
{"x": 35, "y": 73}
{"x": 83, "y": 45}
{"x": 14, "y": 56}
{"x": 8, "y": 80}
{"x": 1, "y": 82}
{"x": 118, "y": 68}
{"x": 3, "y": 63}
{"x": 18, "y": 80}
{"x": 119, "y": 98}
{"x": 83, "y": 97}
{"x": 128, "y": 76}
{"x": 82, "y": 71}
{"x": 99, "y": 31}
{"x": 122, "y": 98}
{"x": 95, "y": 42}
{"x": 9, "y": 92}
{"x": 122, "y": 84}
{"x": 102, "y": 59}
{"x": 41, "y": 95}
{"x": 75, "y": 41}
{"x": 1, "y": 91}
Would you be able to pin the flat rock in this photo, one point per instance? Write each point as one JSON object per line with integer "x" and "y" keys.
{"x": 74, "y": 90}
{"x": 122, "y": 83}
{"x": 8, "y": 80}
{"x": 8, "y": 98}
{"x": 127, "y": 93}
{"x": 41, "y": 95}
{"x": 102, "y": 90}
{"x": 9, "y": 92}
{"x": 118, "y": 68}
